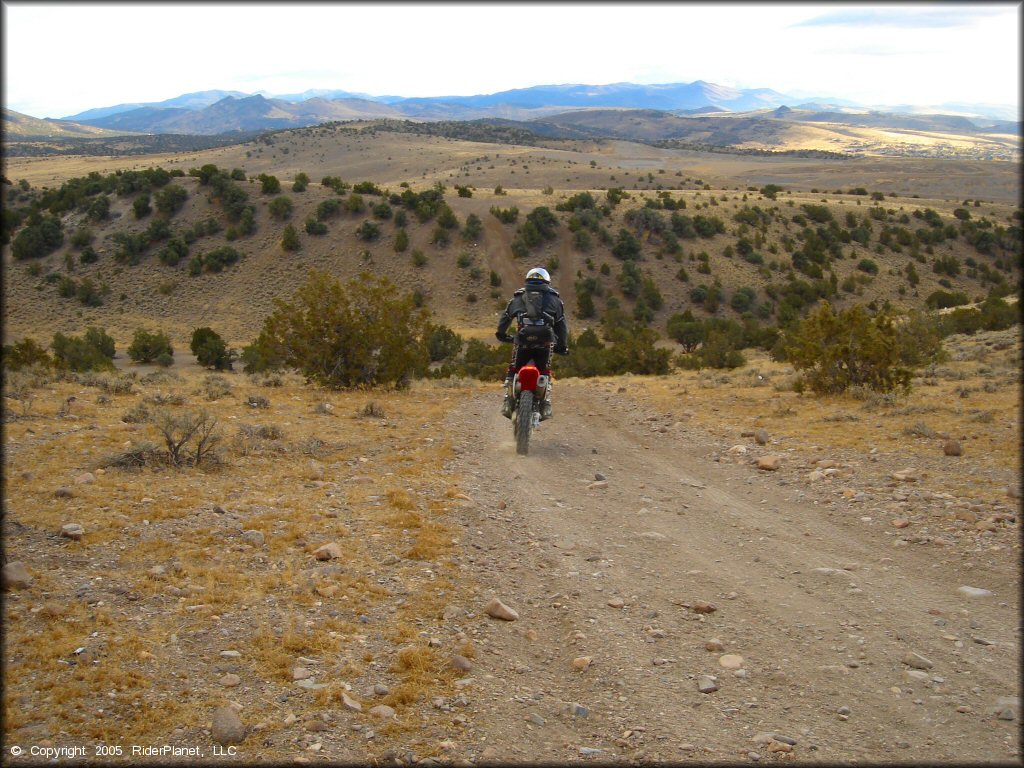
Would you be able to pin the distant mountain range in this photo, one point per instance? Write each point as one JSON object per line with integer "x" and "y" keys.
{"x": 217, "y": 112}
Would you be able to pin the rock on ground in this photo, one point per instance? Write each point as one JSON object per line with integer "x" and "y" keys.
{"x": 498, "y": 610}
{"x": 15, "y": 576}
{"x": 329, "y": 551}
{"x": 227, "y": 727}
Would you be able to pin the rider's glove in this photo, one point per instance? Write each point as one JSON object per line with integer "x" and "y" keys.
{"x": 502, "y": 336}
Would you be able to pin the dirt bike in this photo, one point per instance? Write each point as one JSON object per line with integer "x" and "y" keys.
{"x": 528, "y": 389}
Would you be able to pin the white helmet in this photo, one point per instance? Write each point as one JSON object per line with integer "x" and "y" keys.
{"x": 538, "y": 273}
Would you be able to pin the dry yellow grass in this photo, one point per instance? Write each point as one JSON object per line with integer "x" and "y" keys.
{"x": 974, "y": 397}
{"x": 170, "y": 582}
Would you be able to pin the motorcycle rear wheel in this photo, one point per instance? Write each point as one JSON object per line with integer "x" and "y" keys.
{"x": 523, "y": 422}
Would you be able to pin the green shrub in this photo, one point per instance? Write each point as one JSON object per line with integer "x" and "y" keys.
{"x": 99, "y": 208}
{"x": 627, "y": 246}
{"x": 290, "y": 239}
{"x": 718, "y": 350}
{"x": 219, "y": 258}
{"x": 159, "y": 230}
{"x": 354, "y": 203}
{"x": 39, "y": 239}
{"x": 440, "y": 236}
{"x": 147, "y": 347}
{"x": 335, "y": 183}
{"x": 367, "y": 188}
{"x": 364, "y": 333}
{"x": 280, "y": 208}
{"x": 945, "y": 299}
{"x": 269, "y": 185}
{"x": 852, "y": 348}
{"x": 141, "y": 206}
{"x": 66, "y": 287}
{"x": 946, "y": 265}
{"x": 686, "y": 331}
{"x": 401, "y": 240}
{"x": 368, "y": 231}
{"x": 442, "y": 343}
{"x": 743, "y": 299}
{"x": 173, "y": 252}
{"x": 210, "y": 349}
{"x": 78, "y": 353}
{"x": 821, "y": 214}
{"x": 83, "y": 237}
{"x": 505, "y": 215}
{"x": 25, "y": 354}
{"x": 170, "y": 199}
{"x": 473, "y": 228}
{"x": 919, "y": 340}
{"x": 994, "y": 314}
{"x": 328, "y": 208}
{"x": 88, "y": 293}
{"x": 446, "y": 217}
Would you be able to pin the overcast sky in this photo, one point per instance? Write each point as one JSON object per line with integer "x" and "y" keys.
{"x": 60, "y": 59}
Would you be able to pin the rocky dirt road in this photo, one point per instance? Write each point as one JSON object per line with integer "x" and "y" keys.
{"x": 691, "y": 607}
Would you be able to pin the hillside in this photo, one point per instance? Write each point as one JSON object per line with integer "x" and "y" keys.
{"x": 795, "y": 130}
{"x": 18, "y": 127}
{"x": 753, "y": 254}
{"x": 250, "y": 113}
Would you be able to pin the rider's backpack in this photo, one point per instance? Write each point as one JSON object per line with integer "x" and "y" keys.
{"x": 536, "y": 327}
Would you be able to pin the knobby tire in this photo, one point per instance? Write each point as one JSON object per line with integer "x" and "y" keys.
{"x": 524, "y": 422}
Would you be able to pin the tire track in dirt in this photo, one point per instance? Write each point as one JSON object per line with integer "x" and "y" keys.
{"x": 817, "y": 603}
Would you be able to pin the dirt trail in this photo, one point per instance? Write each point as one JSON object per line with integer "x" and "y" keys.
{"x": 822, "y": 650}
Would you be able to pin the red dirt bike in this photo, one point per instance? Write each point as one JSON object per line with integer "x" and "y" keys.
{"x": 528, "y": 388}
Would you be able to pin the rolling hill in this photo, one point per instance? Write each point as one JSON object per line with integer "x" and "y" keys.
{"x": 17, "y": 126}
{"x": 465, "y": 282}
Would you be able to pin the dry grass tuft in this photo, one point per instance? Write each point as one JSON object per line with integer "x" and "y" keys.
{"x": 431, "y": 542}
{"x": 400, "y": 499}
{"x": 417, "y": 658}
{"x": 920, "y": 429}
{"x": 372, "y": 409}
{"x": 144, "y": 454}
{"x": 215, "y": 387}
{"x": 405, "y": 520}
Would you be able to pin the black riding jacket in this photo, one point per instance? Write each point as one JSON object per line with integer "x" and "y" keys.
{"x": 536, "y": 300}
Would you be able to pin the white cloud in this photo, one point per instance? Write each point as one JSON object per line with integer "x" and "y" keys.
{"x": 63, "y": 58}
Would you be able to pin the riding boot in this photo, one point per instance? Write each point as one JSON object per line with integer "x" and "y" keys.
{"x": 545, "y": 404}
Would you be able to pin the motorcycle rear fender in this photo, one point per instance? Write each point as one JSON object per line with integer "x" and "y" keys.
{"x": 527, "y": 378}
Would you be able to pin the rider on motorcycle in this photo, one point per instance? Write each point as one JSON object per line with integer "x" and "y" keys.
{"x": 536, "y": 304}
